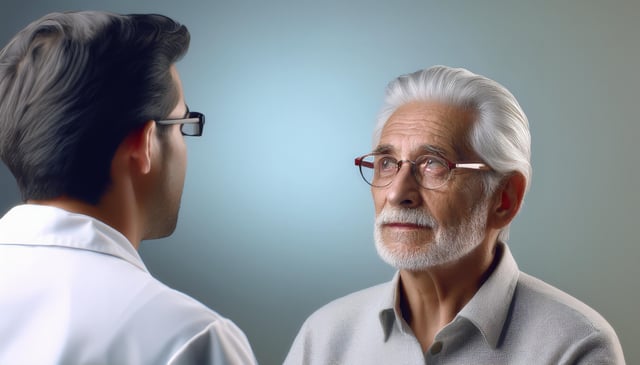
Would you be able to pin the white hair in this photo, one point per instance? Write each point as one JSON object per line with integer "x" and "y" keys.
{"x": 500, "y": 134}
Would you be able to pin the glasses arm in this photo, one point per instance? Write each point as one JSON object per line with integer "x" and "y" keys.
{"x": 470, "y": 166}
{"x": 190, "y": 118}
{"x": 178, "y": 121}
{"x": 360, "y": 162}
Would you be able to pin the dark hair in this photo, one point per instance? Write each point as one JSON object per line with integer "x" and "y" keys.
{"x": 73, "y": 86}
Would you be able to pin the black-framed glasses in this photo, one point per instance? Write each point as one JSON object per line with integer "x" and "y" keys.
{"x": 191, "y": 125}
{"x": 431, "y": 172}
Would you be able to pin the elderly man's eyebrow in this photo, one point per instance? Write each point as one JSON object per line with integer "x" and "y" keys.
{"x": 433, "y": 150}
{"x": 384, "y": 148}
{"x": 428, "y": 149}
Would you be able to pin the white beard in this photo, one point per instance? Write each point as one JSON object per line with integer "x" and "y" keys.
{"x": 448, "y": 245}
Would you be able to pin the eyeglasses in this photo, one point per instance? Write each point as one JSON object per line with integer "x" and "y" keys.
{"x": 191, "y": 125}
{"x": 431, "y": 172}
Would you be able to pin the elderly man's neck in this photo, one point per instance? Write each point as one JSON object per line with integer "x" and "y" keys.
{"x": 431, "y": 299}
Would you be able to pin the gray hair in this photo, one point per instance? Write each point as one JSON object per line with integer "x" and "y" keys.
{"x": 500, "y": 135}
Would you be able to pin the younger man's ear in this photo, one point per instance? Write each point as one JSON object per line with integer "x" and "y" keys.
{"x": 507, "y": 201}
{"x": 140, "y": 147}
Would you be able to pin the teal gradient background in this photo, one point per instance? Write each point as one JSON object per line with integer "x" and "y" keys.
{"x": 275, "y": 220}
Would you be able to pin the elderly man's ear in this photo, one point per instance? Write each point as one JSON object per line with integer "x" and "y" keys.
{"x": 507, "y": 200}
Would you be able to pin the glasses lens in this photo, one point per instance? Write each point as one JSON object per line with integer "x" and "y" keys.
{"x": 191, "y": 129}
{"x": 378, "y": 170}
{"x": 432, "y": 171}
{"x": 366, "y": 169}
{"x": 194, "y": 126}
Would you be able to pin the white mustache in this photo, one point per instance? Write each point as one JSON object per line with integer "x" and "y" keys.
{"x": 409, "y": 216}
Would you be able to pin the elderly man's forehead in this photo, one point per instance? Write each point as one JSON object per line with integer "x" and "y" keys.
{"x": 432, "y": 127}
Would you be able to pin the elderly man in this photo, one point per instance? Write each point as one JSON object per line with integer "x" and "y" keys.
{"x": 448, "y": 173}
{"x": 92, "y": 125}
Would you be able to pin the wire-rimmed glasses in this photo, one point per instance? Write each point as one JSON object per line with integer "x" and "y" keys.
{"x": 431, "y": 172}
{"x": 191, "y": 125}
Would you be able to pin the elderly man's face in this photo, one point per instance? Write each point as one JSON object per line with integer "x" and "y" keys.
{"x": 418, "y": 228}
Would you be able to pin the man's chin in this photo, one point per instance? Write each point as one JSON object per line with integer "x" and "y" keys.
{"x": 407, "y": 255}
{"x": 406, "y": 238}
{"x": 164, "y": 231}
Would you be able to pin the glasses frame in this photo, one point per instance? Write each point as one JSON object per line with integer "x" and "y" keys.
{"x": 189, "y": 118}
{"x": 360, "y": 162}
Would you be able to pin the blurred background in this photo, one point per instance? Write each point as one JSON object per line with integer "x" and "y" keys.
{"x": 275, "y": 220}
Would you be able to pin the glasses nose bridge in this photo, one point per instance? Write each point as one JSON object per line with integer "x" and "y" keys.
{"x": 412, "y": 167}
{"x": 400, "y": 163}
